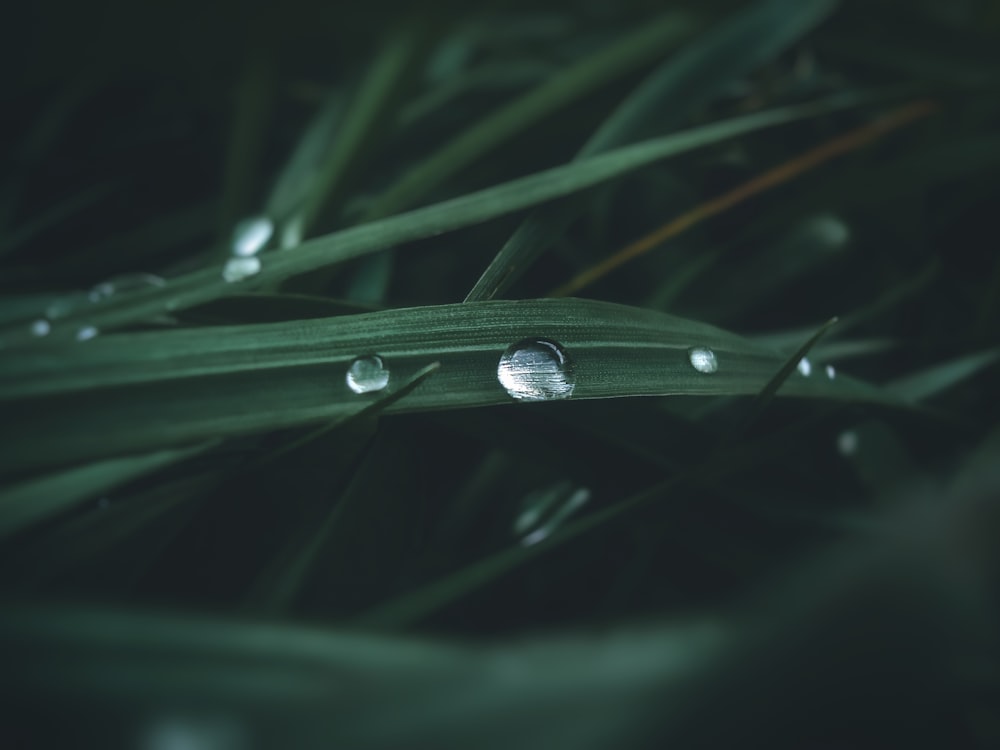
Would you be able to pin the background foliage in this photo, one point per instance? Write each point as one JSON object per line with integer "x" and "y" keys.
{"x": 207, "y": 540}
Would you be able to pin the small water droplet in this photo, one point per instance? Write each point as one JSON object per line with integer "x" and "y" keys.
{"x": 238, "y": 269}
{"x": 41, "y": 327}
{"x": 577, "y": 500}
{"x": 831, "y": 373}
{"x": 805, "y": 367}
{"x": 703, "y": 359}
{"x": 251, "y": 235}
{"x": 86, "y": 333}
{"x": 123, "y": 284}
{"x": 536, "y": 370}
{"x": 831, "y": 231}
{"x": 847, "y": 443}
{"x": 367, "y": 374}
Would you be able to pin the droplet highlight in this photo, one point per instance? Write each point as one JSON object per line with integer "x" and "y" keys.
{"x": 831, "y": 372}
{"x": 86, "y": 333}
{"x": 251, "y": 235}
{"x": 536, "y": 370}
{"x": 847, "y": 443}
{"x": 41, "y": 327}
{"x": 703, "y": 359}
{"x": 805, "y": 367}
{"x": 367, "y": 374}
{"x": 238, "y": 269}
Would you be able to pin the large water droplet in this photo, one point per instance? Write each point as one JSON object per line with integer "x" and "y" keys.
{"x": 536, "y": 370}
{"x": 703, "y": 359}
{"x": 805, "y": 367}
{"x": 367, "y": 374}
{"x": 41, "y": 327}
{"x": 86, "y": 333}
{"x": 237, "y": 269}
{"x": 123, "y": 284}
{"x": 251, "y": 235}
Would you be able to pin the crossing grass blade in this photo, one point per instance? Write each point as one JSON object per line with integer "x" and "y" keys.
{"x": 670, "y": 93}
{"x": 201, "y": 286}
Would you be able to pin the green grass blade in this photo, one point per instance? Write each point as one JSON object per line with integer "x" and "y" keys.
{"x": 684, "y": 83}
{"x": 626, "y": 54}
{"x": 922, "y": 385}
{"x": 35, "y": 500}
{"x": 147, "y": 391}
{"x": 205, "y": 285}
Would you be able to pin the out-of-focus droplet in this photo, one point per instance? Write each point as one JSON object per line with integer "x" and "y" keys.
{"x": 238, "y": 269}
{"x": 251, "y": 235}
{"x": 41, "y": 327}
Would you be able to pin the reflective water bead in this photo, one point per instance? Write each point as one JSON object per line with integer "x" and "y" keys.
{"x": 367, "y": 374}
{"x": 805, "y": 367}
{"x": 703, "y": 359}
{"x": 251, "y": 235}
{"x": 536, "y": 370}
{"x": 238, "y": 269}
{"x": 41, "y": 327}
{"x": 86, "y": 333}
{"x": 831, "y": 373}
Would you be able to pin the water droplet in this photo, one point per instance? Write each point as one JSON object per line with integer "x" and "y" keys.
{"x": 86, "y": 333}
{"x": 703, "y": 359}
{"x": 536, "y": 370}
{"x": 123, "y": 284}
{"x": 805, "y": 367}
{"x": 41, "y": 327}
{"x": 237, "y": 269}
{"x": 831, "y": 373}
{"x": 367, "y": 374}
{"x": 251, "y": 235}
{"x": 831, "y": 231}
{"x": 575, "y": 501}
{"x": 847, "y": 443}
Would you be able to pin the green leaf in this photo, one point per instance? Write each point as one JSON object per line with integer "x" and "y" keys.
{"x": 207, "y": 284}
{"x": 35, "y": 500}
{"x": 663, "y": 100}
{"x": 147, "y": 391}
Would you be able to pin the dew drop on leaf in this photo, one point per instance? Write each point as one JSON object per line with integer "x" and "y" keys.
{"x": 367, "y": 374}
{"x": 536, "y": 370}
{"x": 703, "y": 359}
{"x": 238, "y": 269}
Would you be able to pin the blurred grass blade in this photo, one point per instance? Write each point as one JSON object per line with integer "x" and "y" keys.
{"x": 662, "y": 101}
{"x": 201, "y": 286}
{"x": 924, "y": 384}
{"x": 361, "y": 122}
{"x": 147, "y": 391}
{"x": 278, "y": 585}
{"x": 626, "y": 54}
{"x": 35, "y": 500}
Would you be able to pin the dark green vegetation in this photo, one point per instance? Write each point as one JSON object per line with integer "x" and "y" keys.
{"x": 208, "y": 537}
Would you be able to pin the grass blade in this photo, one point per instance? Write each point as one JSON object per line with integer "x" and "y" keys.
{"x": 684, "y": 83}
{"x": 205, "y": 285}
{"x": 147, "y": 391}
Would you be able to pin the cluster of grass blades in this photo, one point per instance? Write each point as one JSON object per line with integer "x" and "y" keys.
{"x": 508, "y": 377}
